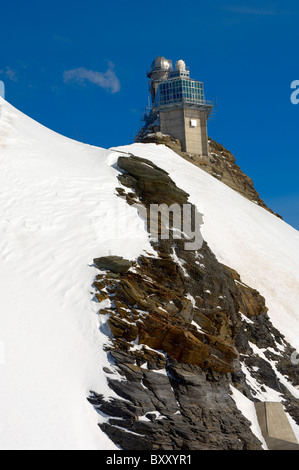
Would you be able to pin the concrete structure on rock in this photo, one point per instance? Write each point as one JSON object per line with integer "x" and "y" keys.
{"x": 275, "y": 426}
{"x": 179, "y": 108}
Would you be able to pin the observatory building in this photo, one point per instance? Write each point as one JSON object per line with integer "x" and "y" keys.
{"x": 178, "y": 105}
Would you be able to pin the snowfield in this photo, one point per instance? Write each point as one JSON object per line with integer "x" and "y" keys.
{"x": 58, "y": 211}
{"x": 57, "y": 205}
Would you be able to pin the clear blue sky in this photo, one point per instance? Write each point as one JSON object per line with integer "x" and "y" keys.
{"x": 79, "y": 68}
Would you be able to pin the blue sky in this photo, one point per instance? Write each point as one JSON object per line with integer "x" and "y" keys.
{"x": 79, "y": 68}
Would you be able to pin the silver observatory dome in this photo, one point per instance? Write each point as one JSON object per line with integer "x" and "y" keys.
{"x": 180, "y": 66}
{"x": 160, "y": 63}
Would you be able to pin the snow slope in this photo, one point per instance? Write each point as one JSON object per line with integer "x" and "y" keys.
{"x": 58, "y": 211}
{"x": 57, "y": 204}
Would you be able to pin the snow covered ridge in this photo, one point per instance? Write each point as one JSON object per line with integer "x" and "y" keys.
{"x": 240, "y": 234}
{"x": 58, "y": 212}
{"x": 55, "y": 197}
{"x": 262, "y": 248}
{"x": 217, "y": 298}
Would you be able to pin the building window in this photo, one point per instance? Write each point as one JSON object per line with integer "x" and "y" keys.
{"x": 179, "y": 90}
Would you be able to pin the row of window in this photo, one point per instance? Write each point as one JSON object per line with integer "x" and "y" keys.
{"x": 195, "y": 96}
{"x": 173, "y": 84}
{"x": 179, "y": 90}
{"x": 179, "y": 99}
{"x": 184, "y": 91}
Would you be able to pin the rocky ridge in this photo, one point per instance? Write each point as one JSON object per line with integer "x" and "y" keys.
{"x": 182, "y": 328}
{"x": 220, "y": 163}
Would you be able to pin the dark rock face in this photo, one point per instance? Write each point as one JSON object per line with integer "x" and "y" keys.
{"x": 152, "y": 184}
{"x": 187, "y": 409}
{"x": 115, "y": 264}
{"x": 179, "y": 338}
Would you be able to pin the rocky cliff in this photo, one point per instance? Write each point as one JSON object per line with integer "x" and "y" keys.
{"x": 183, "y": 329}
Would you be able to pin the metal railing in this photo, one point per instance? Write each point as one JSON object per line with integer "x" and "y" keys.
{"x": 181, "y": 101}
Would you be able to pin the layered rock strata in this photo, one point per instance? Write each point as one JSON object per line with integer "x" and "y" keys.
{"x": 182, "y": 327}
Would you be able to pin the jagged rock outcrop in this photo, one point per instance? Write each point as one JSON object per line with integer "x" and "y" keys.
{"x": 152, "y": 307}
{"x": 187, "y": 409}
{"x": 151, "y": 184}
{"x": 116, "y": 264}
{"x": 182, "y": 326}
